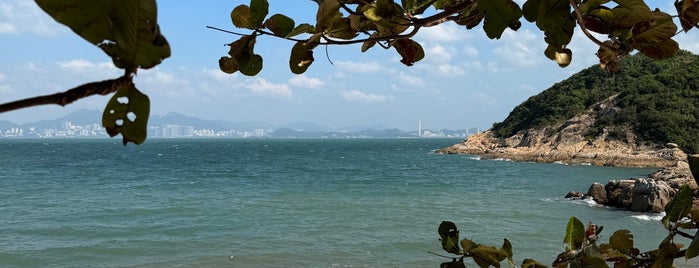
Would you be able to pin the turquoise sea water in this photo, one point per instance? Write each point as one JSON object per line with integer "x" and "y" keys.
{"x": 283, "y": 203}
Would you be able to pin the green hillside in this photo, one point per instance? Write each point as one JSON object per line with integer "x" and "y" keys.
{"x": 658, "y": 100}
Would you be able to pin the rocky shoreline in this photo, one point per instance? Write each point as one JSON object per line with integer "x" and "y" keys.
{"x": 649, "y": 194}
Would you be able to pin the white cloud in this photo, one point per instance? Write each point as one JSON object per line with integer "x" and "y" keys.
{"x": 439, "y": 54}
{"x": 520, "y": 49}
{"x": 262, "y": 86}
{"x": 445, "y": 32}
{"x": 411, "y": 80}
{"x": 359, "y": 67}
{"x": 90, "y": 70}
{"x": 302, "y": 81}
{"x": 450, "y": 70}
{"x": 471, "y": 52}
{"x": 22, "y": 16}
{"x": 6, "y": 28}
{"x": 358, "y": 96}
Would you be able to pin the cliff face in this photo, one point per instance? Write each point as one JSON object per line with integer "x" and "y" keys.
{"x": 567, "y": 143}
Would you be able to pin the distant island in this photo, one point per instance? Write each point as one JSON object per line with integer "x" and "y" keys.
{"x": 81, "y": 124}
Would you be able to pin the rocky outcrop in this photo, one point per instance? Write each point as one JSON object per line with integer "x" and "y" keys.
{"x": 643, "y": 194}
{"x": 567, "y": 143}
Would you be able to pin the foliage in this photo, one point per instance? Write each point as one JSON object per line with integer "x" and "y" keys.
{"x": 582, "y": 249}
{"x": 657, "y": 99}
{"x": 629, "y": 24}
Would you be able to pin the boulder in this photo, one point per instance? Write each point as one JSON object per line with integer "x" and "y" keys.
{"x": 574, "y": 195}
{"x": 619, "y": 193}
{"x": 650, "y": 195}
{"x": 598, "y": 193}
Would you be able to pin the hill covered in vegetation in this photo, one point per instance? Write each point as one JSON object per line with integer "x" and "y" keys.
{"x": 657, "y": 100}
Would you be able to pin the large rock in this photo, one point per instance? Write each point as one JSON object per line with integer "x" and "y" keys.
{"x": 650, "y": 195}
{"x": 597, "y": 193}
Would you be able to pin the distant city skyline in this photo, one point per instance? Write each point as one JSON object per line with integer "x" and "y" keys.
{"x": 465, "y": 79}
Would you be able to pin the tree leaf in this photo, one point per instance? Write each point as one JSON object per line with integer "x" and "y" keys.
{"x": 693, "y": 161}
{"x": 486, "y": 256}
{"x": 302, "y": 28}
{"x": 241, "y": 17}
{"x": 688, "y": 11}
{"x": 678, "y": 206}
{"x": 126, "y": 30}
{"x": 328, "y": 12}
{"x": 280, "y": 25}
{"x": 258, "y": 11}
{"x": 499, "y": 15}
{"x": 253, "y": 66}
{"x": 410, "y": 50}
{"x": 622, "y": 241}
{"x": 658, "y": 30}
{"x": 575, "y": 234}
{"x": 693, "y": 249}
{"x": 449, "y": 236}
{"x": 227, "y": 65}
{"x": 530, "y": 263}
{"x": 301, "y": 58}
{"x": 659, "y": 51}
{"x": 127, "y": 113}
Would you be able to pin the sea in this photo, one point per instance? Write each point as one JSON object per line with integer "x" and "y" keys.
{"x": 285, "y": 203}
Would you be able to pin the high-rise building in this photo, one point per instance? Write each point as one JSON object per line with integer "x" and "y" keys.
{"x": 419, "y": 128}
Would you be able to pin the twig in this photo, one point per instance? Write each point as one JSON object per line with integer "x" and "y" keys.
{"x": 103, "y": 88}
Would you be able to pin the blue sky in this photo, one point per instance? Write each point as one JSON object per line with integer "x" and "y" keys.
{"x": 465, "y": 80}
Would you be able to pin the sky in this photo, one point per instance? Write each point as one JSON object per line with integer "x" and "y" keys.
{"x": 466, "y": 80}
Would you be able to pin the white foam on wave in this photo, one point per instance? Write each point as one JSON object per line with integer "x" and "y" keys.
{"x": 475, "y": 157}
{"x": 649, "y": 217}
{"x": 502, "y": 159}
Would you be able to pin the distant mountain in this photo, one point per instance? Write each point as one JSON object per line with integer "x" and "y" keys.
{"x": 78, "y": 118}
{"x": 297, "y": 130}
{"x": 180, "y": 119}
{"x": 4, "y": 124}
{"x": 386, "y": 133}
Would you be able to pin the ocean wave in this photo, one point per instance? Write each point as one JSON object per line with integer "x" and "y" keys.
{"x": 649, "y": 216}
{"x": 475, "y": 157}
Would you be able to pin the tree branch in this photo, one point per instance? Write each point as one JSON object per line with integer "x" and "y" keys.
{"x": 587, "y": 33}
{"x": 103, "y": 88}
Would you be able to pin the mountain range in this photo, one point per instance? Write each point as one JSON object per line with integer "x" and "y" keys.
{"x": 298, "y": 129}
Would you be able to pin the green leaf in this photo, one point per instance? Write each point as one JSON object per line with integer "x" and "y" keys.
{"x": 228, "y": 65}
{"x": 659, "y": 51}
{"x": 127, "y": 113}
{"x": 301, "y": 58}
{"x": 499, "y": 15}
{"x": 416, "y": 7}
{"x": 253, "y": 66}
{"x": 693, "y": 161}
{"x": 241, "y": 17}
{"x": 594, "y": 262}
{"x": 693, "y": 249}
{"x": 328, "y": 12}
{"x": 575, "y": 234}
{"x": 410, "y": 50}
{"x": 658, "y": 30}
{"x": 280, "y": 25}
{"x": 302, "y": 28}
{"x": 126, "y": 30}
{"x": 486, "y": 256}
{"x": 622, "y": 241}
{"x": 530, "y": 263}
{"x": 678, "y": 206}
{"x": 553, "y": 17}
{"x": 258, "y": 11}
{"x": 449, "y": 236}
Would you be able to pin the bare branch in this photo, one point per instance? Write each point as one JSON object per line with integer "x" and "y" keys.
{"x": 103, "y": 88}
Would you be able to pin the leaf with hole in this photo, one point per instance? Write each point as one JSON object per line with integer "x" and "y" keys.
{"x": 127, "y": 114}
{"x": 449, "y": 236}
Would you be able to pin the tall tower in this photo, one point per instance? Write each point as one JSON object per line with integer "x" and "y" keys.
{"x": 419, "y": 128}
